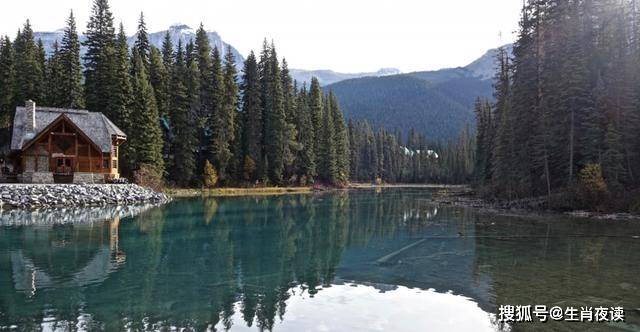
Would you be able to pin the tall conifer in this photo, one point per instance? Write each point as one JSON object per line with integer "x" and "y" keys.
{"x": 7, "y": 84}
{"x": 71, "y": 85}
{"x": 99, "y": 60}
{"x": 145, "y": 136}
{"x": 251, "y": 118}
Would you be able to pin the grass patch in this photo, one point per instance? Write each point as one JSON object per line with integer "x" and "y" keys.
{"x": 220, "y": 192}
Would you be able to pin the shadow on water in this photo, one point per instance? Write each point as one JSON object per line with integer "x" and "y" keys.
{"x": 346, "y": 261}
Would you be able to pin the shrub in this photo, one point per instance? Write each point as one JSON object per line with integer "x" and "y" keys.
{"x": 210, "y": 176}
{"x": 592, "y": 190}
{"x": 248, "y": 168}
{"x": 149, "y": 176}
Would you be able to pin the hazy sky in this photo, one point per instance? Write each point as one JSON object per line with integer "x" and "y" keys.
{"x": 343, "y": 35}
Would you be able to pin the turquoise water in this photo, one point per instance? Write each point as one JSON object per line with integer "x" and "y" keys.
{"x": 359, "y": 261}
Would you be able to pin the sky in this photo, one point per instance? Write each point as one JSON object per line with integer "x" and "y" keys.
{"x": 341, "y": 35}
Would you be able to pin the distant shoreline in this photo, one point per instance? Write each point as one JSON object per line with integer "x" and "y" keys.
{"x": 275, "y": 191}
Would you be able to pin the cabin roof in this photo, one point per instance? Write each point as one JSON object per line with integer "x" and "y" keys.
{"x": 94, "y": 125}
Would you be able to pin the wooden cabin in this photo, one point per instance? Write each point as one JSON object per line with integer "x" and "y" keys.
{"x": 55, "y": 145}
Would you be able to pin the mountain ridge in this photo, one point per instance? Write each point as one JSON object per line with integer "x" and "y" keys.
{"x": 328, "y": 76}
{"x": 177, "y": 32}
{"x": 436, "y": 103}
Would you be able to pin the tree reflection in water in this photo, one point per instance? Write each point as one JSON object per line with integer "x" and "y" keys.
{"x": 204, "y": 263}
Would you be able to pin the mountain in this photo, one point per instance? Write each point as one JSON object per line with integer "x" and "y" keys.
{"x": 185, "y": 33}
{"x": 485, "y": 66}
{"x": 49, "y": 37}
{"x": 177, "y": 32}
{"x": 326, "y": 77}
{"x": 436, "y": 103}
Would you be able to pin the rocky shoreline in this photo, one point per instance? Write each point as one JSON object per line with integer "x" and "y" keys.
{"x": 33, "y": 196}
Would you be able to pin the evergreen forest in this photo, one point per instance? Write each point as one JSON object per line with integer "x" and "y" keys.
{"x": 192, "y": 119}
{"x": 565, "y": 123}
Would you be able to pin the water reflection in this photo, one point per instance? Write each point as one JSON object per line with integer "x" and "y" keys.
{"x": 61, "y": 216}
{"x": 356, "y": 261}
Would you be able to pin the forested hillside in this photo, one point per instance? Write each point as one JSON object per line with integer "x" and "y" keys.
{"x": 566, "y": 117}
{"x": 187, "y": 118}
{"x": 193, "y": 120}
{"x": 437, "y": 104}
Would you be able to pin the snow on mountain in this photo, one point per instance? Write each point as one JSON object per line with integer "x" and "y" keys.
{"x": 177, "y": 32}
{"x": 186, "y": 33}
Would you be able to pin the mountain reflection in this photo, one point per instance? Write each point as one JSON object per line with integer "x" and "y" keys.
{"x": 216, "y": 264}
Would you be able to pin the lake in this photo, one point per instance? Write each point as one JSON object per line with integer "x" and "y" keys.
{"x": 386, "y": 260}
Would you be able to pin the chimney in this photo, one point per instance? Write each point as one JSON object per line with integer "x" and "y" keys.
{"x": 30, "y": 108}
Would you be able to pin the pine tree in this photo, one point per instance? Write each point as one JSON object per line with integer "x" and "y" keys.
{"x": 341, "y": 141}
{"x": 159, "y": 79}
{"x": 71, "y": 94}
{"x": 99, "y": 61}
{"x": 142, "y": 43}
{"x": 120, "y": 100}
{"x": 526, "y": 98}
{"x": 42, "y": 64}
{"x": 251, "y": 116}
{"x": 264, "y": 72}
{"x": 577, "y": 94}
{"x": 7, "y": 83}
{"x": 145, "y": 137}
{"x": 291, "y": 145}
{"x": 219, "y": 132}
{"x": 306, "y": 159}
{"x": 28, "y": 67}
{"x": 501, "y": 158}
{"x": 275, "y": 119}
{"x": 355, "y": 145}
{"x": 483, "y": 158}
{"x": 226, "y": 125}
{"x": 315, "y": 104}
{"x": 167, "y": 52}
{"x": 201, "y": 50}
{"x": 327, "y": 166}
{"x": 230, "y": 107}
{"x": 54, "y": 77}
{"x": 189, "y": 54}
{"x": 192, "y": 83}
{"x": 182, "y": 167}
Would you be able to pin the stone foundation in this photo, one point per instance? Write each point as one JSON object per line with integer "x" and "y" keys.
{"x": 89, "y": 178}
{"x": 36, "y": 177}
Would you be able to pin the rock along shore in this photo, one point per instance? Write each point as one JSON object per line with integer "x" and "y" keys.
{"x": 32, "y": 196}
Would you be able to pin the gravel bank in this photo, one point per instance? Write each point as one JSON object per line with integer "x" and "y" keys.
{"x": 31, "y": 196}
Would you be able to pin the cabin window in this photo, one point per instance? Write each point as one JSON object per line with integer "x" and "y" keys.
{"x": 114, "y": 164}
{"x": 105, "y": 163}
